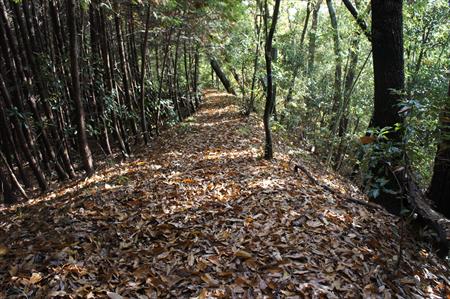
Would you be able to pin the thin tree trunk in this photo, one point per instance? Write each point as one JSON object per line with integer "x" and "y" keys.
{"x": 313, "y": 38}
{"x": 298, "y": 62}
{"x": 251, "y": 105}
{"x": 22, "y": 139}
{"x": 124, "y": 69}
{"x": 8, "y": 195}
{"x": 161, "y": 79}
{"x": 143, "y": 61}
{"x": 13, "y": 176}
{"x": 221, "y": 75}
{"x": 196, "y": 74}
{"x": 268, "y": 150}
{"x": 337, "y": 96}
{"x": 85, "y": 151}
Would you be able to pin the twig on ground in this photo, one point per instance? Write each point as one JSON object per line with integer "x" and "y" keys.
{"x": 298, "y": 167}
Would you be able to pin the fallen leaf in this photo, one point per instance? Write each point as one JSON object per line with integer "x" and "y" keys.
{"x": 35, "y": 278}
{"x": 209, "y": 279}
{"x": 113, "y": 295}
{"x": 3, "y": 250}
{"x": 314, "y": 223}
{"x": 243, "y": 254}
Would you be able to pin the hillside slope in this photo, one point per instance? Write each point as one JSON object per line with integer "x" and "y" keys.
{"x": 199, "y": 214}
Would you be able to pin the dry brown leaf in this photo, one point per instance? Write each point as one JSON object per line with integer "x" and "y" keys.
{"x": 113, "y": 295}
{"x": 209, "y": 279}
{"x": 3, "y": 250}
{"x": 35, "y": 278}
{"x": 243, "y": 254}
{"x": 314, "y": 223}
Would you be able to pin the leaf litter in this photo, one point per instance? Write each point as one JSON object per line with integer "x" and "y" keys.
{"x": 200, "y": 215}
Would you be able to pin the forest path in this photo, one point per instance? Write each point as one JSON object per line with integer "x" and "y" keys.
{"x": 199, "y": 214}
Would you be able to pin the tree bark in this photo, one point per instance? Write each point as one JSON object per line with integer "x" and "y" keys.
{"x": 85, "y": 151}
{"x": 388, "y": 62}
{"x": 389, "y": 78}
{"x": 270, "y": 99}
{"x": 143, "y": 61}
{"x": 22, "y": 139}
{"x": 196, "y": 74}
{"x": 298, "y": 62}
{"x": 221, "y": 75}
{"x": 5, "y": 187}
{"x": 361, "y": 23}
{"x": 439, "y": 191}
{"x": 257, "y": 21}
{"x": 124, "y": 68}
{"x": 337, "y": 96}
{"x": 313, "y": 38}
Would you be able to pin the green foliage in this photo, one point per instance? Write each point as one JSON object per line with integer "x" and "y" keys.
{"x": 381, "y": 160}
{"x": 309, "y": 114}
{"x": 85, "y": 4}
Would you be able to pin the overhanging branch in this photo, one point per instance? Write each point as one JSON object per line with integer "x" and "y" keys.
{"x": 361, "y": 23}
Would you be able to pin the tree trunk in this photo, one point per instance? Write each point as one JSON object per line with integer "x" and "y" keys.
{"x": 22, "y": 139}
{"x": 388, "y": 63}
{"x": 251, "y": 104}
{"x": 348, "y": 88}
{"x": 11, "y": 173}
{"x": 313, "y": 38}
{"x": 388, "y": 67}
{"x": 337, "y": 96}
{"x": 221, "y": 75}
{"x": 298, "y": 60}
{"x": 439, "y": 191}
{"x": 143, "y": 61}
{"x": 196, "y": 73}
{"x": 6, "y": 189}
{"x": 270, "y": 99}
{"x": 124, "y": 69}
{"x": 85, "y": 151}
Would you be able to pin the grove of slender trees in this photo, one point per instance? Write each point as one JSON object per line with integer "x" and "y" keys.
{"x": 82, "y": 80}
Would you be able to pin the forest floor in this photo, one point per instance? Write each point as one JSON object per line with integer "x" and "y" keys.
{"x": 200, "y": 215}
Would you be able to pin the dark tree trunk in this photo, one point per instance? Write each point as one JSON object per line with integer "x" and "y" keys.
{"x": 161, "y": 80}
{"x": 196, "y": 74}
{"x": 361, "y": 23}
{"x": 221, "y": 75}
{"x": 388, "y": 63}
{"x": 270, "y": 99}
{"x": 124, "y": 70}
{"x": 15, "y": 183}
{"x": 22, "y": 139}
{"x": 8, "y": 195}
{"x": 83, "y": 145}
{"x": 175, "y": 97}
{"x": 439, "y": 191}
{"x": 143, "y": 61}
{"x": 388, "y": 66}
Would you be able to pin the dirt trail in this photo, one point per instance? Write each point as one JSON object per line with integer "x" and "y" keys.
{"x": 199, "y": 214}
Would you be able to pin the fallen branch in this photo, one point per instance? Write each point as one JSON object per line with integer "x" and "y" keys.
{"x": 331, "y": 190}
